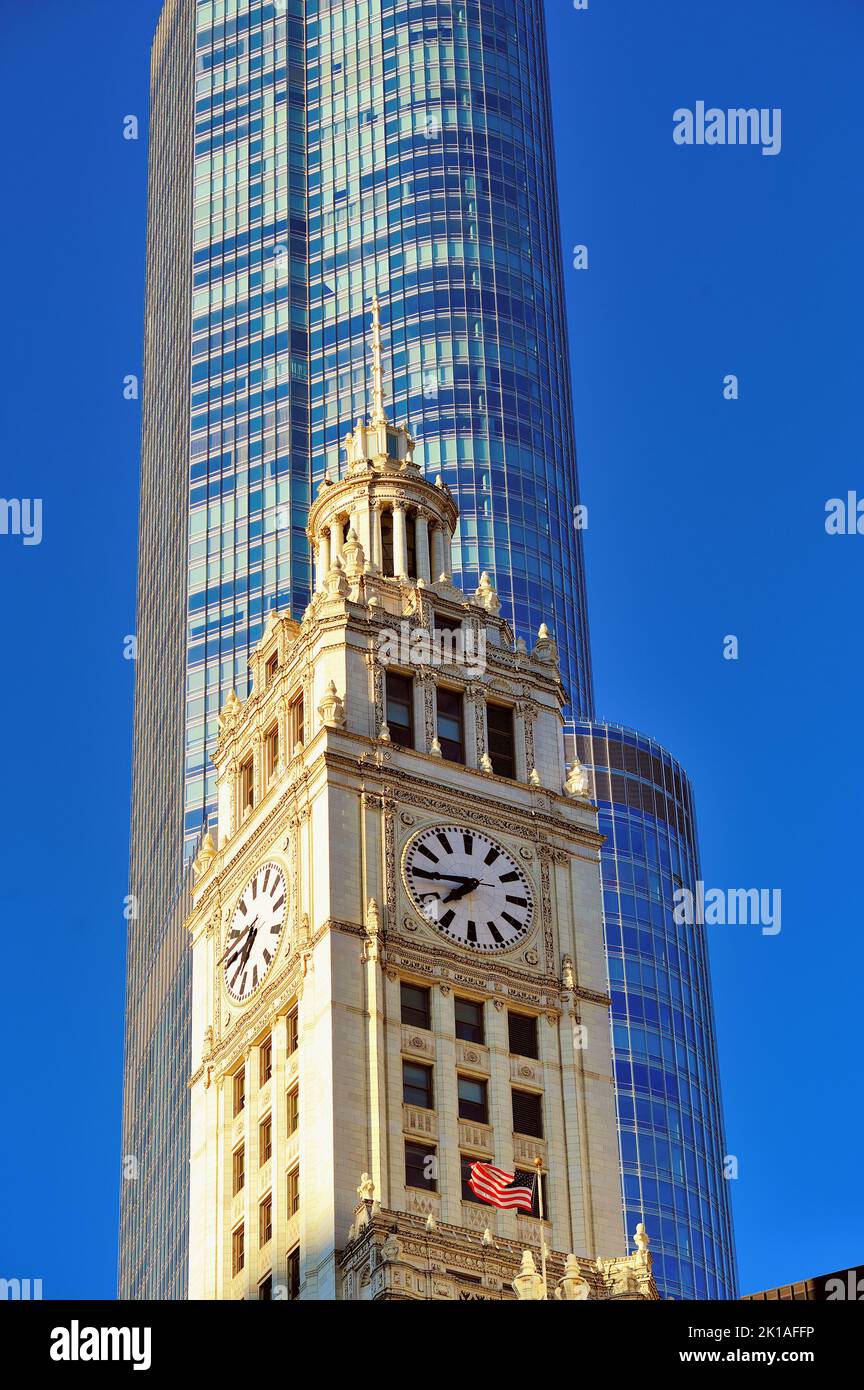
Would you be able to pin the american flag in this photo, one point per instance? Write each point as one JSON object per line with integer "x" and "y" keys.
{"x": 492, "y": 1185}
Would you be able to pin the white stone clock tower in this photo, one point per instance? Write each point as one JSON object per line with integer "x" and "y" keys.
{"x": 398, "y": 963}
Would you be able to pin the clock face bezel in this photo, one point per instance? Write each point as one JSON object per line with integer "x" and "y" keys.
{"x": 241, "y": 1000}
{"x": 475, "y": 948}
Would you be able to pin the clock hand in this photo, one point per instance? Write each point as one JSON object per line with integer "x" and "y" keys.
{"x": 468, "y": 887}
{"x": 235, "y": 946}
{"x": 246, "y": 949}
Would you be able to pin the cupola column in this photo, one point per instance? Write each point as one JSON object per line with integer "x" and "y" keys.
{"x": 437, "y": 553}
{"x": 400, "y": 542}
{"x": 323, "y": 564}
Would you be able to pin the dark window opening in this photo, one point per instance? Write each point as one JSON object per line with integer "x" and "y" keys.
{"x": 451, "y": 725}
{"x": 420, "y": 1167}
{"x": 400, "y": 709}
{"x": 473, "y": 1100}
{"x": 417, "y": 1085}
{"x": 416, "y": 1006}
{"x": 502, "y": 744}
{"x": 527, "y": 1114}
{"x": 522, "y": 1029}
{"x": 469, "y": 1020}
{"x": 387, "y": 544}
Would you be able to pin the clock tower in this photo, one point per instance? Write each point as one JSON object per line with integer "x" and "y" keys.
{"x": 398, "y": 962}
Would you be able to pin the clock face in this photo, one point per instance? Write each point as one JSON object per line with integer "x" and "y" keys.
{"x": 256, "y": 927}
{"x": 469, "y": 887}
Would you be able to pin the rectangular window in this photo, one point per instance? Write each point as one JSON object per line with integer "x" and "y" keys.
{"x": 416, "y": 1006}
{"x": 271, "y": 667}
{"x": 247, "y": 787}
{"x": 296, "y": 730}
{"x": 443, "y": 623}
{"x": 294, "y": 1273}
{"x": 293, "y": 1031}
{"x": 465, "y": 1161}
{"x": 265, "y": 1057}
{"x": 400, "y": 709}
{"x": 265, "y": 1220}
{"x": 238, "y": 1251}
{"x": 294, "y": 1110}
{"x": 271, "y": 752}
{"x": 522, "y": 1029}
{"x": 451, "y": 725}
{"x": 502, "y": 743}
{"x": 238, "y": 1169}
{"x": 527, "y": 1113}
{"x": 417, "y": 1085}
{"x": 265, "y": 1140}
{"x": 265, "y": 1289}
{"x": 469, "y": 1020}
{"x": 473, "y": 1100}
{"x": 293, "y": 1191}
{"x": 420, "y": 1167}
{"x": 239, "y": 1091}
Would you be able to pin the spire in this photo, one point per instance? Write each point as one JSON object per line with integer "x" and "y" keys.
{"x": 378, "y": 415}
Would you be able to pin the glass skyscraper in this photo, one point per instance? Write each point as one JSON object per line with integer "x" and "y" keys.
{"x": 666, "y": 1074}
{"x": 306, "y": 154}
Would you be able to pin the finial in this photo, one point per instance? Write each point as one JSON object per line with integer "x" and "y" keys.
{"x": 378, "y": 416}
{"x": 641, "y": 1239}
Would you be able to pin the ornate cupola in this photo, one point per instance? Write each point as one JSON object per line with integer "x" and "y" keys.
{"x": 383, "y": 519}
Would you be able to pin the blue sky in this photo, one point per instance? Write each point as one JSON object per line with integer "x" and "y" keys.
{"x": 706, "y": 518}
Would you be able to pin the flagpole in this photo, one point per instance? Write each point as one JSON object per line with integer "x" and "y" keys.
{"x": 538, "y": 1178}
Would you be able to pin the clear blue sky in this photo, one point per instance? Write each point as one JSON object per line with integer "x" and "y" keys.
{"x": 706, "y": 517}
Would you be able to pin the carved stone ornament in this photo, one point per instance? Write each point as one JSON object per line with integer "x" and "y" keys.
{"x": 573, "y": 1287}
{"x": 331, "y": 708}
{"x": 366, "y": 1189}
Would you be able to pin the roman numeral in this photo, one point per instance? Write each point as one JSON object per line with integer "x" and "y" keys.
{"x": 495, "y": 933}
{"x": 447, "y": 917}
{"x": 468, "y": 842}
{"x": 242, "y": 907}
{"x": 254, "y": 889}
{"x": 512, "y": 920}
{"x": 267, "y": 956}
{"x": 243, "y": 982}
{"x": 279, "y": 902}
{"x": 423, "y": 873}
{"x": 508, "y": 878}
{"x": 274, "y": 931}
{"x": 445, "y": 842}
{"x": 421, "y": 849}
{"x": 472, "y": 932}
{"x": 520, "y": 902}
{"x": 491, "y": 856}
{"x": 255, "y": 977}
{"x": 264, "y": 884}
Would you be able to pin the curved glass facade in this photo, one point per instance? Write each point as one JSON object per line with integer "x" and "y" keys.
{"x": 667, "y": 1079}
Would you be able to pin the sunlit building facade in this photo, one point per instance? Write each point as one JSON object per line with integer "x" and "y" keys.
{"x": 306, "y": 154}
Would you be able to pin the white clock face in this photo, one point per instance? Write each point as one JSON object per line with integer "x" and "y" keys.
{"x": 255, "y": 931}
{"x": 469, "y": 887}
